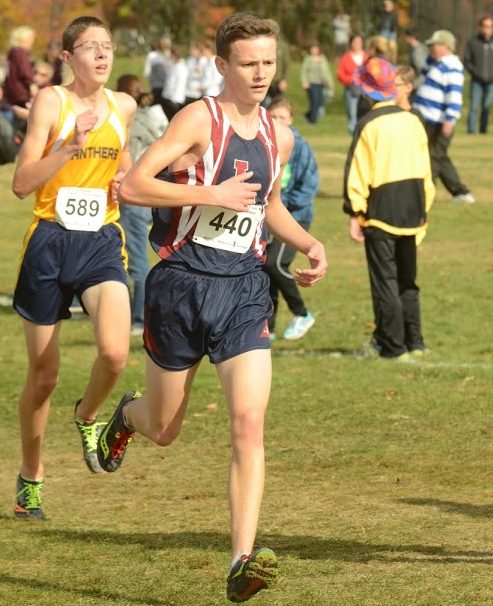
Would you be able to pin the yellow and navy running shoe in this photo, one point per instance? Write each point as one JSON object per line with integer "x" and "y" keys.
{"x": 116, "y": 436}
{"x": 251, "y": 574}
{"x": 28, "y": 499}
{"x": 89, "y": 432}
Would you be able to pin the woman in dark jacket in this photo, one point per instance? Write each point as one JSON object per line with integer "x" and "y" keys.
{"x": 19, "y": 79}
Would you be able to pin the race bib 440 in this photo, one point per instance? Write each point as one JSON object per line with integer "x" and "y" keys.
{"x": 226, "y": 229}
{"x": 81, "y": 208}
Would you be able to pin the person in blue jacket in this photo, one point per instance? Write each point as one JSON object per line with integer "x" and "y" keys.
{"x": 299, "y": 186}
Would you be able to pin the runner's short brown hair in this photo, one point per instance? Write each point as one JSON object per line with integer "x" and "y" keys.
{"x": 243, "y": 26}
{"x": 77, "y": 27}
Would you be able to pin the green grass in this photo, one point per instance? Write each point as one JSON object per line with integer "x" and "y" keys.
{"x": 378, "y": 475}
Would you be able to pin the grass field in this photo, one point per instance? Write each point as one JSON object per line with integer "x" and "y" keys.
{"x": 379, "y": 479}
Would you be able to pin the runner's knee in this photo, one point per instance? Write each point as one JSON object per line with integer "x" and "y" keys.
{"x": 43, "y": 380}
{"x": 114, "y": 357}
{"x": 248, "y": 429}
{"x": 164, "y": 436}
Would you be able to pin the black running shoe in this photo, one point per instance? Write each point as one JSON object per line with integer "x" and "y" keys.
{"x": 116, "y": 436}
{"x": 251, "y": 574}
{"x": 28, "y": 499}
{"x": 89, "y": 433}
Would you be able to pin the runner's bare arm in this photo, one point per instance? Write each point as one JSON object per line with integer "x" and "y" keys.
{"x": 184, "y": 142}
{"x": 32, "y": 171}
{"x": 282, "y": 225}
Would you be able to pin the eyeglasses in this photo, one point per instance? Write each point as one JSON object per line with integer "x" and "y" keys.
{"x": 91, "y": 46}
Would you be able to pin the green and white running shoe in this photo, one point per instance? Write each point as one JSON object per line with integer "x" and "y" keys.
{"x": 28, "y": 499}
{"x": 89, "y": 433}
{"x": 251, "y": 574}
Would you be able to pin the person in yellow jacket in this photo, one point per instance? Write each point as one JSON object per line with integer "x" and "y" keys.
{"x": 388, "y": 192}
{"x": 73, "y": 157}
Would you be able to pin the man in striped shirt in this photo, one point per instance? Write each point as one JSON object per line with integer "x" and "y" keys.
{"x": 439, "y": 101}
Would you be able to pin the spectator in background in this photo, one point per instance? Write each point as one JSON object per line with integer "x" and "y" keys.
{"x": 405, "y": 77}
{"x": 155, "y": 68}
{"x": 315, "y": 77}
{"x": 8, "y": 145}
{"x": 18, "y": 84}
{"x": 173, "y": 93}
{"x": 213, "y": 82}
{"x": 279, "y": 83}
{"x": 439, "y": 101}
{"x": 299, "y": 185}
{"x": 478, "y": 60}
{"x": 388, "y": 193}
{"x": 418, "y": 55}
{"x": 42, "y": 77}
{"x": 378, "y": 46}
{"x": 404, "y": 85}
{"x": 195, "y": 74}
{"x": 3, "y": 68}
{"x": 149, "y": 124}
{"x": 43, "y": 74}
{"x": 350, "y": 61}
{"x": 388, "y": 28}
{"x": 341, "y": 32}
{"x": 52, "y": 56}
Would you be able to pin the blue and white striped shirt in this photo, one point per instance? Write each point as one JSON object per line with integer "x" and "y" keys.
{"x": 439, "y": 97}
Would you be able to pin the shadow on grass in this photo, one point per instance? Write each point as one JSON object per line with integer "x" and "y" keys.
{"x": 468, "y": 509}
{"x": 301, "y": 547}
{"x": 81, "y": 591}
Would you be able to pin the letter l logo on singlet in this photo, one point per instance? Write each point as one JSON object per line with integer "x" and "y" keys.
{"x": 241, "y": 166}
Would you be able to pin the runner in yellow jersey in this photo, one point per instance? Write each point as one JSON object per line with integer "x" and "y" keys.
{"x": 73, "y": 157}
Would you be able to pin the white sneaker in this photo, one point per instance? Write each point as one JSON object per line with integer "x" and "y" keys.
{"x": 464, "y": 198}
{"x": 298, "y": 327}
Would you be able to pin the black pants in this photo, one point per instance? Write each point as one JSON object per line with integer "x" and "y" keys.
{"x": 395, "y": 294}
{"x": 279, "y": 258}
{"x": 156, "y": 95}
{"x": 441, "y": 164}
{"x": 170, "y": 108}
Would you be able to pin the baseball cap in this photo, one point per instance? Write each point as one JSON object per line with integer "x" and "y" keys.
{"x": 442, "y": 36}
{"x": 376, "y": 79}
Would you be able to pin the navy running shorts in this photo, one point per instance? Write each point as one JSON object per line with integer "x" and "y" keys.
{"x": 189, "y": 314}
{"x": 58, "y": 263}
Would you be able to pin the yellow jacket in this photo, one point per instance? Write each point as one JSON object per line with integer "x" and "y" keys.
{"x": 387, "y": 181}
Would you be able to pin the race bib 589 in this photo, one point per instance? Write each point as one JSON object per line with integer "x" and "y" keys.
{"x": 81, "y": 208}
